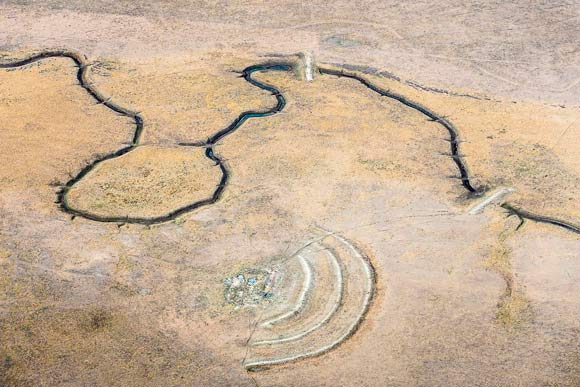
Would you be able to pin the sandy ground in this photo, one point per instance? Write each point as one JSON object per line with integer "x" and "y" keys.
{"x": 460, "y": 299}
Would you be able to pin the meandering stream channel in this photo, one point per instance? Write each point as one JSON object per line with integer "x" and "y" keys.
{"x": 83, "y": 76}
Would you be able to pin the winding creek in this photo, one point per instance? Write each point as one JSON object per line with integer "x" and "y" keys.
{"x": 83, "y": 77}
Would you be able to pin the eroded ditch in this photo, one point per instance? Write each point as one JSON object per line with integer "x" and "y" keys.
{"x": 83, "y": 77}
{"x": 466, "y": 179}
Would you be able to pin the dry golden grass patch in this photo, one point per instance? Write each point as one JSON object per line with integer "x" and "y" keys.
{"x": 150, "y": 181}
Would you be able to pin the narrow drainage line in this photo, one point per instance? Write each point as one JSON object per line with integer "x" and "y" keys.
{"x": 523, "y": 214}
{"x": 83, "y": 77}
{"x": 454, "y": 145}
{"x": 453, "y": 132}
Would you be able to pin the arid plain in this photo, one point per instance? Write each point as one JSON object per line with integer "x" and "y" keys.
{"x": 345, "y": 212}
